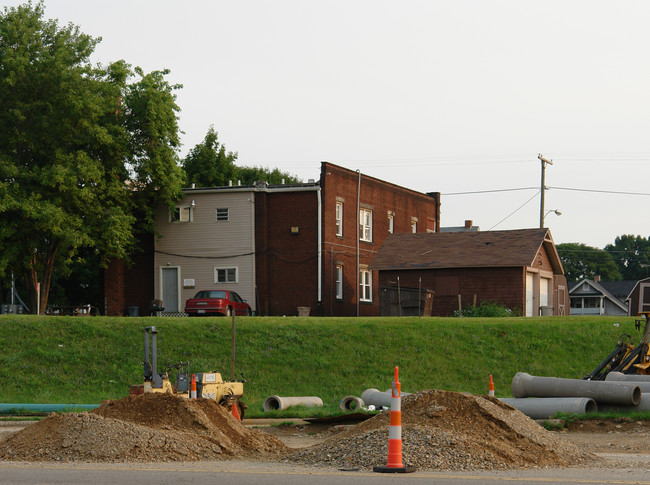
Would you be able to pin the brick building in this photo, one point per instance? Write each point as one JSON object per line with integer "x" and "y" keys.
{"x": 279, "y": 246}
{"x": 519, "y": 269}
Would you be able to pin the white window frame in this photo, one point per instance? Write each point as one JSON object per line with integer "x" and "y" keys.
{"x": 391, "y": 222}
{"x": 219, "y": 214}
{"x": 339, "y": 218}
{"x": 365, "y": 225}
{"x": 414, "y": 225}
{"x": 365, "y": 285}
{"x": 184, "y": 214}
{"x": 338, "y": 278}
{"x": 227, "y": 280}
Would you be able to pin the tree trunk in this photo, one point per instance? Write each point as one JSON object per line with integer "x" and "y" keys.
{"x": 32, "y": 280}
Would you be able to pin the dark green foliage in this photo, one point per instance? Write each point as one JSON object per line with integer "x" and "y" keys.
{"x": 75, "y": 140}
{"x": 581, "y": 261}
{"x": 631, "y": 255}
{"x": 486, "y": 309}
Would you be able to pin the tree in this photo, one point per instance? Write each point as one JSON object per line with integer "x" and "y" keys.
{"x": 631, "y": 255}
{"x": 209, "y": 164}
{"x": 83, "y": 154}
{"x": 581, "y": 261}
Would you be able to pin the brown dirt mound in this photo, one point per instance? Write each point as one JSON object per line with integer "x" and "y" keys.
{"x": 444, "y": 430}
{"x": 150, "y": 427}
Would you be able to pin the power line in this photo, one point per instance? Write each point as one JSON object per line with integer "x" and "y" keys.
{"x": 491, "y": 191}
{"x": 517, "y": 209}
{"x": 600, "y": 191}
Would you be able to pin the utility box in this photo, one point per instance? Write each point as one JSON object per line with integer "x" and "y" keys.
{"x": 303, "y": 311}
{"x": 546, "y": 311}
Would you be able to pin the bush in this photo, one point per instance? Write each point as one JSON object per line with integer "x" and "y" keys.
{"x": 486, "y": 309}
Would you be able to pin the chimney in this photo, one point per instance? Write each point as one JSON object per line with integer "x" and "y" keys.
{"x": 468, "y": 223}
{"x": 597, "y": 278}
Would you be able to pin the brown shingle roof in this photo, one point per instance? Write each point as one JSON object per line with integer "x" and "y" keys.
{"x": 465, "y": 250}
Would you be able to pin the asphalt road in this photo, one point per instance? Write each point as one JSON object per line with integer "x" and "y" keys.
{"x": 276, "y": 474}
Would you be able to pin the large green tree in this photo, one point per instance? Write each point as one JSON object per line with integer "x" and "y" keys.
{"x": 86, "y": 151}
{"x": 631, "y": 255}
{"x": 582, "y": 261}
{"x": 209, "y": 164}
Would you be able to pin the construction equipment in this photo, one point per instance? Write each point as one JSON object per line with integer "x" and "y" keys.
{"x": 626, "y": 358}
{"x": 209, "y": 385}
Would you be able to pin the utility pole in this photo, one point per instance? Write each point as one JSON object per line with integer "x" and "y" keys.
{"x": 543, "y": 189}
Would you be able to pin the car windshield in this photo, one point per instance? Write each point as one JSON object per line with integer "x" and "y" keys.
{"x": 211, "y": 294}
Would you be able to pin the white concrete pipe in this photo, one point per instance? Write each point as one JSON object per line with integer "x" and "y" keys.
{"x": 277, "y": 403}
{"x": 525, "y": 385}
{"x": 351, "y": 403}
{"x": 644, "y": 405}
{"x": 620, "y": 377}
{"x": 545, "y": 407}
{"x": 375, "y": 397}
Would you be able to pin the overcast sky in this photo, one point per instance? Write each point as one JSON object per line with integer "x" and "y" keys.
{"x": 437, "y": 96}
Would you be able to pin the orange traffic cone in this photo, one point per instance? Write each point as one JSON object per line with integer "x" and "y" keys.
{"x": 193, "y": 387}
{"x": 395, "y": 433}
{"x": 491, "y": 387}
{"x": 235, "y": 411}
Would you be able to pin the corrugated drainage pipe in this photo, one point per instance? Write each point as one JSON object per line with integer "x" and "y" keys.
{"x": 545, "y": 407}
{"x": 375, "y": 397}
{"x": 620, "y": 377}
{"x": 525, "y": 385}
{"x": 9, "y": 408}
{"x": 277, "y": 403}
{"x": 351, "y": 403}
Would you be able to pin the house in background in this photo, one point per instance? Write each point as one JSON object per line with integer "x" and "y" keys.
{"x": 518, "y": 269}
{"x": 639, "y": 298}
{"x": 281, "y": 247}
{"x": 596, "y": 297}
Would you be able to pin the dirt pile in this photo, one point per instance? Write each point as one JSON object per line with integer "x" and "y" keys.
{"x": 444, "y": 430}
{"x": 145, "y": 428}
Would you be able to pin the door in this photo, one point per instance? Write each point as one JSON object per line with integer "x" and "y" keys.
{"x": 170, "y": 289}
{"x": 530, "y": 295}
{"x": 561, "y": 300}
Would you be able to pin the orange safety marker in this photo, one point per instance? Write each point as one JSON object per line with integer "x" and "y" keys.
{"x": 193, "y": 387}
{"x": 395, "y": 433}
{"x": 235, "y": 411}
{"x": 491, "y": 387}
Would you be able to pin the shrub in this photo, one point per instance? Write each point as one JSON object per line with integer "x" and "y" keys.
{"x": 486, "y": 309}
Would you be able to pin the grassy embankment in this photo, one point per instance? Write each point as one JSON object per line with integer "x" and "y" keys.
{"x": 85, "y": 360}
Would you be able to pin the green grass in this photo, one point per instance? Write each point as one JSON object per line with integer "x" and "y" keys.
{"x": 84, "y": 360}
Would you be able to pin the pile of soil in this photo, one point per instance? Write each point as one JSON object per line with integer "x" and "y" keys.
{"x": 444, "y": 430}
{"x": 146, "y": 428}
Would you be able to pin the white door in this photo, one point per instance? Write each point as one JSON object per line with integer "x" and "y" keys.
{"x": 170, "y": 289}
{"x": 530, "y": 295}
{"x": 544, "y": 283}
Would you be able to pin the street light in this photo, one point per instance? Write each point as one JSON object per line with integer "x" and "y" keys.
{"x": 557, "y": 213}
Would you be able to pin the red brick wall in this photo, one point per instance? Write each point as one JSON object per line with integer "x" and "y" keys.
{"x": 339, "y": 183}
{"x": 504, "y": 286}
{"x": 286, "y": 262}
{"x": 130, "y": 285}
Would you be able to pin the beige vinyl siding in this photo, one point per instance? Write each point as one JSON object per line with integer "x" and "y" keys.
{"x": 200, "y": 246}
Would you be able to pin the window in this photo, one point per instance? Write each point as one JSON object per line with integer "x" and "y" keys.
{"x": 223, "y": 214}
{"x": 180, "y": 214}
{"x": 391, "y": 222}
{"x": 365, "y": 285}
{"x": 225, "y": 275}
{"x": 365, "y": 225}
{"x": 431, "y": 225}
{"x": 414, "y": 225}
{"x": 339, "y": 219}
{"x": 339, "y": 281}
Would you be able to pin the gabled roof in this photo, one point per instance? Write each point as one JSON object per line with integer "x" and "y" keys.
{"x": 488, "y": 249}
{"x": 644, "y": 280}
{"x": 598, "y": 288}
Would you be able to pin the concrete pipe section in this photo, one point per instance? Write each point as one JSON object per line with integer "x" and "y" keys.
{"x": 545, "y": 407}
{"x": 351, "y": 403}
{"x": 620, "y": 377}
{"x": 375, "y": 397}
{"x": 277, "y": 403}
{"x": 643, "y": 406}
{"x": 525, "y": 385}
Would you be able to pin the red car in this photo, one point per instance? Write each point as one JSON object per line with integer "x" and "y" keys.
{"x": 217, "y": 302}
